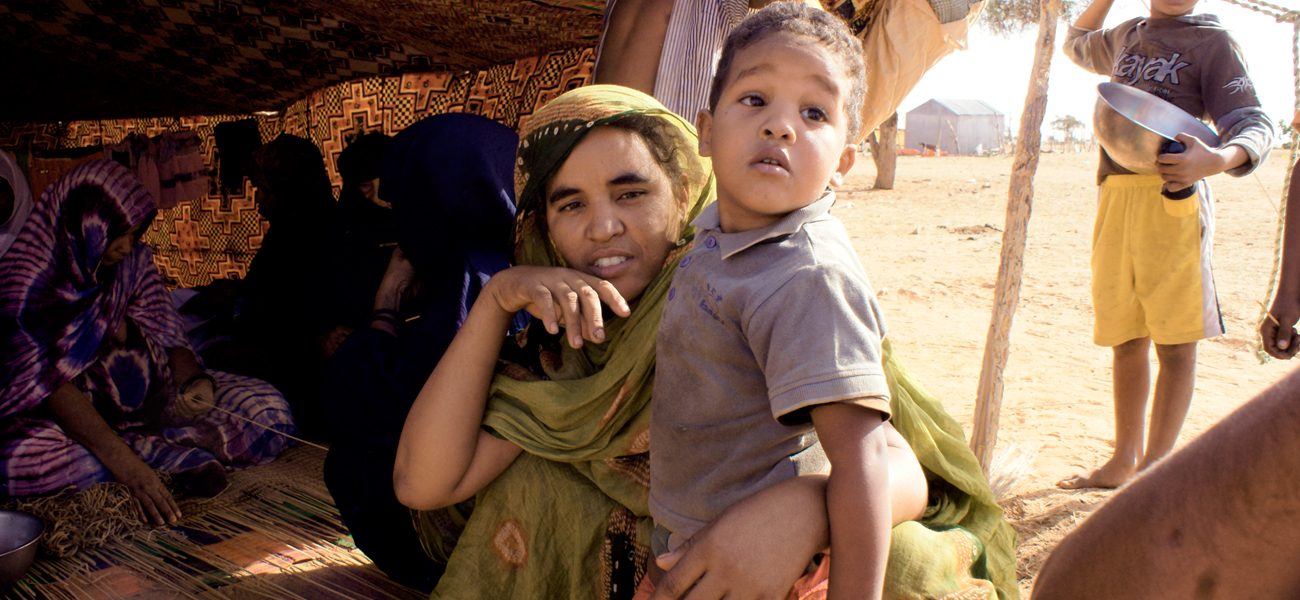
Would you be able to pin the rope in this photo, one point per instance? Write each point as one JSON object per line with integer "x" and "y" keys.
{"x": 1281, "y": 13}
{"x": 85, "y": 520}
{"x": 297, "y": 439}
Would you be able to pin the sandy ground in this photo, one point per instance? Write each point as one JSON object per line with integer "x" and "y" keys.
{"x": 931, "y": 247}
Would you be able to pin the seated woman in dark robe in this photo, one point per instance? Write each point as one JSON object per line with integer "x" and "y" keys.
{"x": 286, "y": 309}
{"x": 369, "y": 232}
{"x": 449, "y": 179}
{"x": 97, "y": 379}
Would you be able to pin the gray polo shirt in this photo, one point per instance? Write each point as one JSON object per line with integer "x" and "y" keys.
{"x": 759, "y": 327}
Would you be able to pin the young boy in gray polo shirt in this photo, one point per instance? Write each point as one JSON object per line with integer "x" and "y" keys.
{"x": 770, "y": 339}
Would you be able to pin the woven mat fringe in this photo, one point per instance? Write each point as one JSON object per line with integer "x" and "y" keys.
{"x": 275, "y": 520}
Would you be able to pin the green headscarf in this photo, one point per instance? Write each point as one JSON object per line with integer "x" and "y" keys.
{"x": 595, "y": 406}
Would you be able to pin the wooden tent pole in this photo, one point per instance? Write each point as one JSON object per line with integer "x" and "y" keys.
{"x": 1020, "y": 198}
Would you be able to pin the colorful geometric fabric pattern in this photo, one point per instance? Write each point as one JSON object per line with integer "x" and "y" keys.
{"x": 216, "y": 236}
{"x": 100, "y": 59}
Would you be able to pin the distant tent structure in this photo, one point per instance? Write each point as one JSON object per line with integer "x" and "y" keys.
{"x": 955, "y": 126}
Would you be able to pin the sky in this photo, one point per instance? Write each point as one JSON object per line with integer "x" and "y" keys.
{"x": 996, "y": 70}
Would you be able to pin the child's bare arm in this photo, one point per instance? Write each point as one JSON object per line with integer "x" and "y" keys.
{"x": 1093, "y": 17}
{"x": 1198, "y": 162}
{"x": 857, "y": 497}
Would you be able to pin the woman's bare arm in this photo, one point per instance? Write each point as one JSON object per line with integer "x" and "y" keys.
{"x": 74, "y": 412}
{"x": 444, "y": 455}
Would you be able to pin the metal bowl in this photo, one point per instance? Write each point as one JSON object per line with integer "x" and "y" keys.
{"x": 19, "y": 534}
{"x": 1133, "y": 125}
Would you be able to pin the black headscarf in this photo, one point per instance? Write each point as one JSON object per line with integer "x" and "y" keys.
{"x": 362, "y": 161}
{"x": 450, "y": 179}
{"x": 292, "y": 169}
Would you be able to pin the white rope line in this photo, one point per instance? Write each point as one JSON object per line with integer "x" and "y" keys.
{"x": 241, "y": 418}
{"x": 1281, "y": 13}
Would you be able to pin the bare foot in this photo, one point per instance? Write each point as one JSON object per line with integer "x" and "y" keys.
{"x": 1113, "y": 474}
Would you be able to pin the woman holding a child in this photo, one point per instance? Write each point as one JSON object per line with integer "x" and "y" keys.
{"x": 528, "y": 455}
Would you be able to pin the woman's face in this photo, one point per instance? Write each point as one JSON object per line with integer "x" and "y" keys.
{"x": 121, "y": 246}
{"x": 612, "y": 211}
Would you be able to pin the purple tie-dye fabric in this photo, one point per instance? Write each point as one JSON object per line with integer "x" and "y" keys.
{"x": 54, "y": 314}
{"x": 59, "y": 307}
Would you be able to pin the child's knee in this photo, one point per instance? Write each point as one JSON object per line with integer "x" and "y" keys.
{"x": 1136, "y": 346}
{"x": 1173, "y": 354}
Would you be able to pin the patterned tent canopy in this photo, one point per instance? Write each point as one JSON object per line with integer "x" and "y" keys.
{"x": 103, "y": 59}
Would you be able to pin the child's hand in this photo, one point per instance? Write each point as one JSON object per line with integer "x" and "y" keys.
{"x": 560, "y": 298}
{"x": 1181, "y": 171}
{"x": 1280, "y": 338}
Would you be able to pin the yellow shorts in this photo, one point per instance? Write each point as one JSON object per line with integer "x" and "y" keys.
{"x": 1151, "y": 264}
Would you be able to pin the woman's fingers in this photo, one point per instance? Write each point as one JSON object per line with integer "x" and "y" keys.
{"x": 685, "y": 570}
{"x": 569, "y": 301}
{"x": 154, "y": 500}
{"x": 593, "y": 321}
{"x": 542, "y": 305}
{"x": 170, "y": 506}
{"x": 610, "y": 296}
{"x": 561, "y": 298}
{"x": 148, "y": 509}
{"x": 1273, "y": 345}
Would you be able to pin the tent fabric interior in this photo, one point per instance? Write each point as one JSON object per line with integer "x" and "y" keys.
{"x": 217, "y": 235}
{"x": 104, "y": 59}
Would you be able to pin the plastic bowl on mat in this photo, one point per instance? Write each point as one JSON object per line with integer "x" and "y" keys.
{"x": 1133, "y": 126}
{"x": 19, "y": 534}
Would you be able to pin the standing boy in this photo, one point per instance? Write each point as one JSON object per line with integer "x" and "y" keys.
{"x": 1151, "y": 278}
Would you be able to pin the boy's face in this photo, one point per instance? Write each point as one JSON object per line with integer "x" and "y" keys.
{"x": 1168, "y": 9}
{"x": 778, "y": 135}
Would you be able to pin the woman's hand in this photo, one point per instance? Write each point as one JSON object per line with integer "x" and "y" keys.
{"x": 328, "y": 343}
{"x": 195, "y": 400}
{"x": 559, "y": 297}
{"x": 152, "y": 498}
{"x": 75, "y": 413}
{"x": 735, "y": 557}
